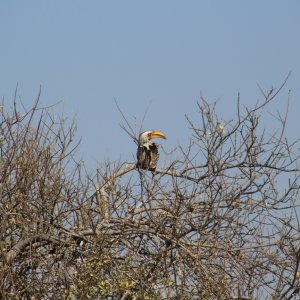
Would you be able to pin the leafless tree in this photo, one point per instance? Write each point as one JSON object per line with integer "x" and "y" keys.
{"x": 220, "y": 222}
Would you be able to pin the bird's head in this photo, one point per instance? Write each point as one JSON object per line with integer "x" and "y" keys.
{"x": 146, "y": 136}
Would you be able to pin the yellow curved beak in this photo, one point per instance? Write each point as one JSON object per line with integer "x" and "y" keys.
{"x": 157, "y": 134}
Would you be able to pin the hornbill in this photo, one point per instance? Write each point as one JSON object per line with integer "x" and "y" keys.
{"x": 147, "y": 152}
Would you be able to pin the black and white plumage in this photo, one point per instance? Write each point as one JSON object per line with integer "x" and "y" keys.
{"x": 147, "y": 152}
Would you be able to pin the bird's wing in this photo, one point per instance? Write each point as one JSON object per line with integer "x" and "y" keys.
{"x": 142, "y": 157}
{"x": 154, "y": 156}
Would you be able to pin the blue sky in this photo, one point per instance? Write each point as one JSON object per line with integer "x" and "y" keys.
{"x": 86, "y": 53}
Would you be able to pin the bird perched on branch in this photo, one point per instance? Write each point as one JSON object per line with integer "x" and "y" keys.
{"x": 147, "y": 152}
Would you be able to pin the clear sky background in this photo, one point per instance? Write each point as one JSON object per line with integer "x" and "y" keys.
{"x": 86, "y": 53}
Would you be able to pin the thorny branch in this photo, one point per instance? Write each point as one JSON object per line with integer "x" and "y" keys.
{"x": 221, "y": 222}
